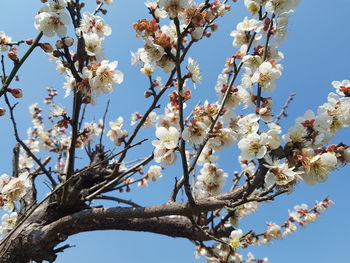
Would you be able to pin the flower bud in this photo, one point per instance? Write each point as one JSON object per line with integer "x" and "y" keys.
{"x": 59, "y": 44}
{"x": 29, "y": 41}
{"x": 86, "y": 100}
{"x": 46, "y": 47}
{"x": 68, "y": 41}
{"x": 13, "y": 56}
{"x": 213, "y": 27}
{"x": 148, "y": 94}
{"x": 17, "y": 93}
{"x": 57, "y": 53}
{"x": 2, "y": 111}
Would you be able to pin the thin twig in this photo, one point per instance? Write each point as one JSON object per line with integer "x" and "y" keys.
{"x": 181, "y": 114}
{"x": 115, "y": 181}
{"x": 269, "y": 34}
{"x": 18, "y": 65}
{"x": 116, "y": 199}
{"x": 98, "y": 8}
{"x": 104, "y": 121}
{"x": 14, "y": 124}
{"x": 59, "y": 187}
{"x": 284, "y": 108}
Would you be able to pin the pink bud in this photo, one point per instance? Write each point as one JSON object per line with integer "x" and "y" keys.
{"x": 17, "y": 93}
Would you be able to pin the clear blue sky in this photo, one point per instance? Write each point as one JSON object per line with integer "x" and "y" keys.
{"x": 316, "y": 53}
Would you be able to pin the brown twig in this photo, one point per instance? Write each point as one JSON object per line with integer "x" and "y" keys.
{"x": 104, "y": 121}
{"x": 181, "y": 114}
{"x": 284, "y": 108}
{"x": 116, "y": 199}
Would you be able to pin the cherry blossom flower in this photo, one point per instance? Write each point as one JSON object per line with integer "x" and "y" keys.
{"x": 253, "y": 146}
{"x": 253, "y": 6}
{"x": 94, "y": 24}
{"x": 151, "y": 52}
{"x": 266, "y": 75}
{"x": 273, "y": 231}
{"x": 196, "y": 132}
{"x": 241, "y": 36}
{"x": 235, "y": 239}
{"x": 342, "y": 87}
{"x": 93, "y": 44}
{"x": 168, "y": 138}
{"x": 165, "y": 146}
{"x": 116, "y": 134}
{"x": 51, "y": 23}
{"x": 174, "y": 7}
{"x": 210, "y": 181}
{"x": 280, "y": 173}
{"x": 106, "y": 77}
{"x": 318, "y": 167}
{"x": 4, "y": 39}
{"x": 154, "y": 172}
{"x": 280, "y": 6}
{"x": 17, "y": 187}
{"x": 194, "y": 71}
{"x": 8, "y": 223}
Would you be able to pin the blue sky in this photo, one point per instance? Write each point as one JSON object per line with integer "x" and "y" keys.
{"x": 316, "y": 53}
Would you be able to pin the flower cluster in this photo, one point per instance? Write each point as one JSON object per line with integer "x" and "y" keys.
{"x": 116, "y": 134}
{"x": 305, "y": 139}
{"x": 12, "y": 190}
{"x": 161, "y": 41}
{"x": 226, "y": 249}
{"x": 95, "y": 75}
{"x": 166, "y": 145}
{"x": 52, "y": 19}
{"x": 4, "y": 41}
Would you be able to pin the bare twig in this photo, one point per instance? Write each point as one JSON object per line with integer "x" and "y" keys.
{"x": 269, "y": 33}
{"x": 104, "y": 121}
{"x": 284, "y": 108}
{"x": 181, "y": 114}
{"x": 98, "y": 8}
{"x": 116, "y": 180}
{"x": 116, "y": 199}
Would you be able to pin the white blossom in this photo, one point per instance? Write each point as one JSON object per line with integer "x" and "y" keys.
{"x": 51, "y": 23}
{"x": 8, "y": 222}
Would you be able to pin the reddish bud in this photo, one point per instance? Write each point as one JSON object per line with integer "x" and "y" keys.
{"x": 213, "y": 27}
{"x": 148, "y": 94}
{"x": 208, "y": 34}
{"x": 2, "y": 111}
{"x": 17, "y": 93}
{"x": 29, "y": 41}
{"x": 13, "y": 56}
{"x": 57, "y": 53}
